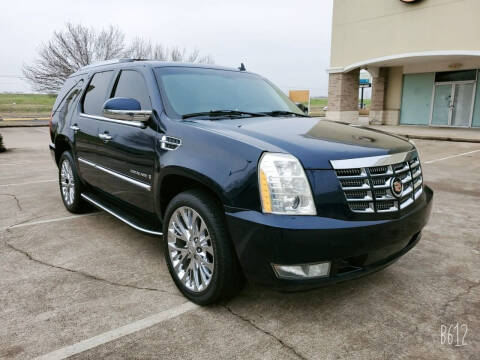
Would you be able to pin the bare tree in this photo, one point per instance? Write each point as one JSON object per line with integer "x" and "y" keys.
{"x": 143, "y": 49}
{"x": 69, "y": 50}
{"x": 78, "y": 46}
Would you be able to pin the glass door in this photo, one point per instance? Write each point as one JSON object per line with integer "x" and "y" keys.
{"x": 442, "y": 102}
{"x": 462, "y": 104}
{"x": 453, "y": 98}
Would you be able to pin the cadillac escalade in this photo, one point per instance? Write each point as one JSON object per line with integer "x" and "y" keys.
{"x": 237, "y": 181}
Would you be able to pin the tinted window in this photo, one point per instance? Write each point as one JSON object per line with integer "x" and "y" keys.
{"x": 462, "y": 75}
{"x": 97, "y": 93}
{"x": 191, "y": 90}
{"x": 68, "y": 104}
{"x": 132, "y": 85}
{"x": 69, "y": 84}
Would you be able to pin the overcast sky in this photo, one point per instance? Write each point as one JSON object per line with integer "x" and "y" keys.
{"x": 285, "y": 41}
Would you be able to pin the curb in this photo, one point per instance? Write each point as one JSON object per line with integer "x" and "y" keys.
{"x": 22, "y": 126}
{"x": 438, "y": 138}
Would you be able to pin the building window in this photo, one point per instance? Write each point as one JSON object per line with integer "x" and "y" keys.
{"x": 449, "y": 76}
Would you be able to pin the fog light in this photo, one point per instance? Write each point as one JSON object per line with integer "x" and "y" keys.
{"x": 302, "y": 271}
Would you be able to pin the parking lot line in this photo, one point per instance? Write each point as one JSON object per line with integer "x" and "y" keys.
{"x": 52, "y": 220}
{"x": 450, "y": 157}
{"x": 119, "y": 332}
{"x": 28, "y": 183}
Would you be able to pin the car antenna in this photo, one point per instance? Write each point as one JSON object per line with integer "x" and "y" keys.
{"x": 242, "y": 67}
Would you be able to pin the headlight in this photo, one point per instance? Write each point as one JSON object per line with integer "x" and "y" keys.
{"x": 284, "y": 188}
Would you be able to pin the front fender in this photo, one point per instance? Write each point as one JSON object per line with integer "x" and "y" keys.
{"x": 225, "y": 165}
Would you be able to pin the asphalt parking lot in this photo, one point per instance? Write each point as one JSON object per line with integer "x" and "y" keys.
{"x": 89, "y": 286}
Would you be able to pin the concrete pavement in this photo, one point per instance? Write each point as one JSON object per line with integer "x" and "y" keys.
{"x": 66, "y": 280}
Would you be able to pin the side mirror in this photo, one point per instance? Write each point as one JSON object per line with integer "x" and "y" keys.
{"x": 125, "y": 109}
{"x": 302, "y": 107}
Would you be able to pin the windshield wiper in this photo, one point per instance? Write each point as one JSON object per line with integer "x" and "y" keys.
{"x": 219, "y": 113}
{"x": 282, "y": 112}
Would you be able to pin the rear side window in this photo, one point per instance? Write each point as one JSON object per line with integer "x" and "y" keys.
{"x": 66, "y": 107}
{"x": 132, "y": 85}
{"x": 96, "y": 93}
{"x": 69, "y": 84}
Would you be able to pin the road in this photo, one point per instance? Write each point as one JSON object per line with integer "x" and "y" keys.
{"x": 89, "y": 286}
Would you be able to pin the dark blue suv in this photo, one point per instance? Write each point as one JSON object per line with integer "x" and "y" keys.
{"x": 237, "y": 179}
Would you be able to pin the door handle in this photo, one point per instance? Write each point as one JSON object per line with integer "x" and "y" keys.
{"x": 105, "y": 137}
{"x": 74, "y": 127}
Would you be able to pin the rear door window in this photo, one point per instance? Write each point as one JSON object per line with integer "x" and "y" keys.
{"x": 96, "y": 93}
{"x": 131, "y": 84}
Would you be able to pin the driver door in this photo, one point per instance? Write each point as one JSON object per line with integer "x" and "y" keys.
{"x": 127, "y": 148}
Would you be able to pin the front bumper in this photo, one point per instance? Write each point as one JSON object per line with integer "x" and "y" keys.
{"x": 355, "y": 248}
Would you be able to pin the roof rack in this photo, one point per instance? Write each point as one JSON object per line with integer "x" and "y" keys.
{"x": 110, "y": 62}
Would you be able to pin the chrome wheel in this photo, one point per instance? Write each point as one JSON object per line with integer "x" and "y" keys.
{"x": 190, "y": 249}
{"x": 67, "y": 182}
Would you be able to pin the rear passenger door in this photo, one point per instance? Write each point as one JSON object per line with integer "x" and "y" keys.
{"x": 85, "y": 126}
{"x": 128, "y": 147}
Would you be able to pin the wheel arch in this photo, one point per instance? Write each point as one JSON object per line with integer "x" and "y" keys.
{"x": 62, "y": 144}
{"x": 175, "y": 180}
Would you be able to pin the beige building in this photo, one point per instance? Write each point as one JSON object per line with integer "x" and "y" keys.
{"x": 423, "y": 57}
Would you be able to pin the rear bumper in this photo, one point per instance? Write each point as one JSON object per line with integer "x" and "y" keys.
{"x": 354, "y": 248}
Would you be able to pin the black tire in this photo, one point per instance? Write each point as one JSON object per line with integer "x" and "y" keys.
{"x": 227, "y": 278}
{"x": 77, "y": 205}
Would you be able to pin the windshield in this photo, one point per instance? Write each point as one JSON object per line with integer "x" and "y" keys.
{"x": 189, "y": 91}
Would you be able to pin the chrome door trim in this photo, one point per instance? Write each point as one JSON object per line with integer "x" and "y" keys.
{"x": 111, "y": 212}
{"x": 114, "y": 173}
{"x": 123, "y": 122}
{"x": 373, "y": 160}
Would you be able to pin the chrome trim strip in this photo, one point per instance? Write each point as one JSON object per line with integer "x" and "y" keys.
{"x": 407, "y": 190}
{"x": 123, "y": 122}
{"x": 417, "y": 173}
{"x": 365, "y": 199}
{"x": 407, "y": 179}
{"x": 113, "y": 173}
{"x": 373, "y": 160}
{"x": 417, "y": 183}
{"x": 418, "y": 192}
{"x": 406, "y": 203}
{"x": 111, "y": 212}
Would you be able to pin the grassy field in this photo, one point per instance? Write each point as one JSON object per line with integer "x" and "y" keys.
{"x": 40, "y": 105}
{"x": 26, "y": 105}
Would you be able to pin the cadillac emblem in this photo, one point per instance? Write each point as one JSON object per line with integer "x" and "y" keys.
{"x": 396, "y": 186}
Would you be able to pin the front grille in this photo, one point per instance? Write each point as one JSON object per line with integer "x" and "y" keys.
{"x": 369, "y": 189}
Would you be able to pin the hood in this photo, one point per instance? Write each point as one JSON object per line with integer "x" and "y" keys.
{"x": 311, "y": 140}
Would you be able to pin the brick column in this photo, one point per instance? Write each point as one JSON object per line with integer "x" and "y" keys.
{"x": 343, "y": 96}
{"x": 377, "y": 106}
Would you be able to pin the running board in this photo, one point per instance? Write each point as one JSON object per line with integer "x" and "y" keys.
{"x": 97, "y": 202}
